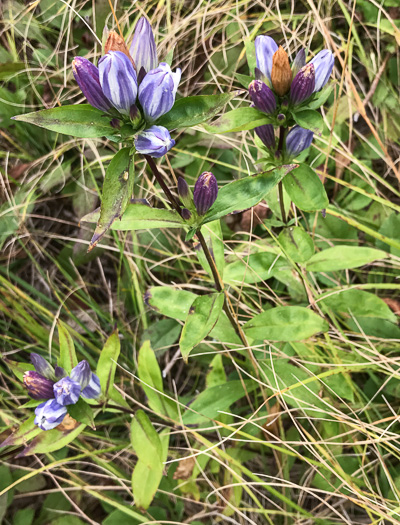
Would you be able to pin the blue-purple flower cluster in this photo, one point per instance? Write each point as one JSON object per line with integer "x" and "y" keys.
{"x": 133, "y": 87}
{"x": 58, "y": 389}
{"x": 279, "y": 88}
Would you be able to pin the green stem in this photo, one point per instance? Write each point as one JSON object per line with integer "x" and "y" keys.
{"x": 282, "y": 132}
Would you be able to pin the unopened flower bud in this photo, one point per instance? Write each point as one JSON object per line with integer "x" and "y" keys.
{"x": 281, "y": 74}
{"x": 81, "y": 373}
{"x": 281, "y": 118}
{"x": 154, "y": 141}
{"x": 115, "y": 123}
{"x": 143, "y": 48}
{"x": 118, "y": 80}
{"x": 42, "y": 366}
{"x": 135, "y": 115}
{"x": 93, "y": 389}
{"x": 115, "y": 42}
{"x": 262, "y": 96}
{"x": 38, "y": 386}
{"x": 66, "y": 391}
{"x": 323, "y": 64}
{"x": 49, "y": 414}
{"x": 267, "y": 135}
{"x": 205, "y": 192}
{"x": 184, "y": 191}
{"x": 303, "y": 84}
{"x": 297, "y": 140}
{"x": 186, "y": 214}
{"x": 87, "y": 76}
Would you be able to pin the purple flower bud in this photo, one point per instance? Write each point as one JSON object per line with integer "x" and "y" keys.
{"x": 49, "y": 414}
{"x": 267, "y": 135}
{"x": 281, "y": 118}
{"x": 143, "y": 47}
{"x": 265, "y": 50}
{"x": 184, "y": 192}
{"x": 118, "y": 80}
{"x": 59, "y": 372}
{"x": 135, "y": 115}
{"x": 154, "y": 141}
{"x": 42, "y": 366}
{"x": 38, "y": 386}
{"x": 262, "y": 96}
{"x": 87, "y": 76}
{"x": 67, "y": 391}
{"x": 297, "y": 140}
{"x": 186, "y": 214}
{"x": 323, "y": 64}
{"x": 115, "y": 123}
{"x": 93, "y": 389}
{"x": 205, "y": 192}
{"x": 157, "y": 91}
{"x": 299, "y": 62}
{"x": 81, "y": 373}
{"x": 303, "y": 84}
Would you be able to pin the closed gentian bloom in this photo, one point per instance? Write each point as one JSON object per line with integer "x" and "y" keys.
{"x": 67, "y": 391}
{"x": 81, "y": 373}
{"x": 205, "y": 192}
{"x": 265, "y": 50}
{"x": 303, "y": 84}
{"x": 49, "y": 414}
{"x": 267, "y": 135}
{"x": 93, "y": 389}
{"x": 87, "y": 76}
{"x": 262, "y": 96}
{"x": 143, "y": 48}
{"x": 297, "y": 140}
{"x": 42, "y": 366}
{"x": 38, "y": 386}
{"x": 157, "y": 91}
{"x": 323, "y": 64}
{"x": 154, "y": 141}
{"x": 118, "y": 80}
{"x": 299, "y": 61}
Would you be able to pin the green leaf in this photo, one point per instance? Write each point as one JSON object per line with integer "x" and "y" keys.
{"x": 245, "y": 193}
{"x": 51, "y": 440}
{"x": 82, "y": 412}
{"x": 321, "y": 97}
{"x": 82, "y": 121}
{"x": 23, "y": 434}
{"x": 107, "y": 363}
{"x": 212, "y": 233}
{"x": 343, "y": 257}
{"x": 190, "y": 111}
{"x": 244, "y": 80}
{"x": 309, "y": 119}
{"x": 250, "y": 54}
{"x": 202, "y": 317}
{"x": 239, "y": 119}
{"x": 358, "y": 303}
{"x": 253, "y": 268}
{"x": 117, "y": 191}
{"x": 297, "y": 243}
{"x": 142, "y": 217}
{"x": 67, "y": 359}
{"x": 145, "y": 440}
{"x": 305, "y": 189}
{"x": 285, "y": 323}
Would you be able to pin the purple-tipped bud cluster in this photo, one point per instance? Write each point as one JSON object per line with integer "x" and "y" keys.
{"x": 262, "y": 96}
{"x": 205, "y": 192}
{"x": 267, "y": 135}
{"x": 154, "y": 141}
{"x": 298, "y": 139}
{"x": 38, "y": 386}
{"x": 303, "y": 84}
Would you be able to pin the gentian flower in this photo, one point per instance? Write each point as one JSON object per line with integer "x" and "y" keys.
{"x": 155, "y": 141}
{"x": 42, "y": 366}
{"x": 38, "y": 386}
{"x": 143, "y": 48}
{"x": 205, "y": 192}
{"x": 67, "y": 391}
{"x": 87, "y": 76}
{"x": 265, "y": 50}
{"x": 157, "y": 91}
{"x": 88, "y": 381}
{"x": 297, "y": 140}
{"x": 323, "y": 64}
{"x": 262, "y": 96}
{"x": 303, "y": 84}
{"x": 281, "y": 74}
{"x": 93, "y": 389}
{"x": 49, "y": 414}
{"x": 267, "y": 135}
{"x": 118, "y": 80}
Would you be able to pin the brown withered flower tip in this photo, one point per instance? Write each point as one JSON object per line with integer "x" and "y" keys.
{"x": 115, "y": 42}
{"x": 281, "y": 73}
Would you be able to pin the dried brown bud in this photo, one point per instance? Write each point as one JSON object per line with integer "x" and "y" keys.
{"x": 281, "y": 73}
{"x": 115, "y": 42}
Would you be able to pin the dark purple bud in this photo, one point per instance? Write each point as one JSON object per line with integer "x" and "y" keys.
{"x": 323, "y": 64}
{"x": 205, "y": 192}
{"x": 87, "y": 76}
{"x": 267, "y": 135}
{"x": 134, "y": 115}
{"x": 285, "y": 103}
{"x": 93, "y": 390}
{"x": 298, "y": 139}
{"x": 299, "y": 61}
{"x": 42, "y": 366}
{"x": 115, "y": 123}
{"x": 262, "y": 96}
{"x": 49, "y": 414}
{"x": 184, "y": 192}
{"x": 303, "y": 84}
{"x": 59, "y": 372}
{"x": 81, "y": 373}
{"x": 281, "y": 118}
{"x": 66, "y": 391}
{"x": 38, "y": 386}
{"x": 186, "y": 214}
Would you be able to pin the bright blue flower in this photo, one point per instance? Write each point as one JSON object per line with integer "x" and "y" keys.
{"x": 49, "y": 414}
{"x": 42, "y": 366}
{"x": 265, "y": 50}
{"x": 93, "y": 389}
{"x": 87, "y": 76}
{"x": 154, "y": 141}
{"x": 297, "y": 140}
{"x": 262, "y": 96}
{"x": 118, "y": 80}
{"x": 67, "y": 391}
{"x": 267, "y": 135}
{"x": 157, "y": 91}
{"x": 143, "y": 48}
{"x": 323, "y": 64}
